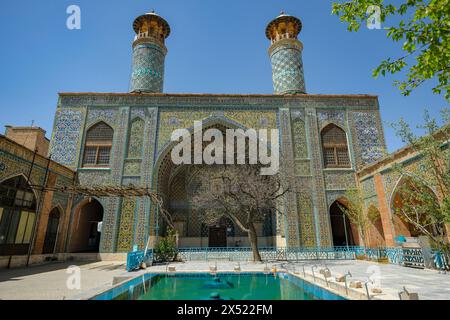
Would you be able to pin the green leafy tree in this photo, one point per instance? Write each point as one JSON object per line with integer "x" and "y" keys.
{"x": 424, "y": 28}
{"x": 353, "y": 209}
{"x": 425, "y": 210}
{"x": 166, "y": 247}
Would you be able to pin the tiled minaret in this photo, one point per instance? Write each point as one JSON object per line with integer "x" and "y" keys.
{"x": 286, "y": 54}
{"x": 149, "y": 52}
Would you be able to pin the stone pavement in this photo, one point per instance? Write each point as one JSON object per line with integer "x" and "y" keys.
{"x": 429, "y": 284}
{"x": 49, "y": 281}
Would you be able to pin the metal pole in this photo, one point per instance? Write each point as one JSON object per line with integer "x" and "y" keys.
{"x": 345, "y": 230}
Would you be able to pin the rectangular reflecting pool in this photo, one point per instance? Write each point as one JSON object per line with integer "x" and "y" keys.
{"x": 223, "y": 286}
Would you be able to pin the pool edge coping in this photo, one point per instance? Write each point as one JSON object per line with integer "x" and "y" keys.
{"x": 356, "y": 295}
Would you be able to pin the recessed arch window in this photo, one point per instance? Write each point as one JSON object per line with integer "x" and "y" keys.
{"x": 17, "y": 216}
{"x": 97, "y": 149}
{"x": 334, "y": 147}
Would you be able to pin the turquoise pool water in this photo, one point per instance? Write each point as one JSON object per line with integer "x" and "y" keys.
{"x": 244, "y": 287}
{"x": 226, "y": 286}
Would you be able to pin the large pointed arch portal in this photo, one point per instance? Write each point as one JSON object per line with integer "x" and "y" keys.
{"x": 177, "y": 184}
{"x": 86, "y": 233}
{"x": 341, "y": 227}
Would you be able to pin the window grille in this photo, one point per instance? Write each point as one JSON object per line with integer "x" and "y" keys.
{"x": 334, "y": 147}
{"x": 103, "y": 155}
{"x": 100, "y": 132}
{"x": 97, "y": 150}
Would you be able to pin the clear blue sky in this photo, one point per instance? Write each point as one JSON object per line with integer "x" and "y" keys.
{"x": 215, "y": 47}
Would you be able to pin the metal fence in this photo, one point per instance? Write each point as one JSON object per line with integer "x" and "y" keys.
{"x": 408, "y": 257}
{"x": 267, "y": 254}
{"x": 393, "y": 255}
{"x": 411, "y": 257}
{"x": 135, "y": 258}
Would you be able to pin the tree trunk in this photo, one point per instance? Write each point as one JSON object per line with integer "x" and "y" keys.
{"x": 362, "y": 239}
{"x": 177, "y": 238}
{"x": 447, "y": 233}
{"x": 254, "y": 242}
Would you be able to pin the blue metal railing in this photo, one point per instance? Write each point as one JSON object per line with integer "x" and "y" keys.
{"x": 401, "y": 256}
{"x": 394, "y": 255}
{"x": 411, "y": 257}
{"x": 135, "y": 258}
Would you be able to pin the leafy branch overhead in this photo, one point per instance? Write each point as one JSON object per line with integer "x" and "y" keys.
{"x": 424, "y": 28}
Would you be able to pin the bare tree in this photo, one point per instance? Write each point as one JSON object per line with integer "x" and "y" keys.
{"x": 241, "y": 194}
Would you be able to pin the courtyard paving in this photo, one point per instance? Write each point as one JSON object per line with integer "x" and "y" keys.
{"x": 49, "y": 281}
{"x": 429, "y": 284}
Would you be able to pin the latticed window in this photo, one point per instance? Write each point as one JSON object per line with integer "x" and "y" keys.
{"x": 334, "y": 147}
{"x": 97, "y": 149}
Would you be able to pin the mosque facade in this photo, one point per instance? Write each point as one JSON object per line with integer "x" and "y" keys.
{"x": 121, "y": 139}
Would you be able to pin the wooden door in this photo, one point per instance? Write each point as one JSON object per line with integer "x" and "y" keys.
{"x": 218, "y": 237}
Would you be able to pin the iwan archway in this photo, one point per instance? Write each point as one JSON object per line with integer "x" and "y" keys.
{"x": 342, "y": 230}
{"x": 85, "y": 231}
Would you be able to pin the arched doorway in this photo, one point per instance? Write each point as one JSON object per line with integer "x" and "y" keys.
{"x": 85, "y": 231}
{"x": 217, "y": 236}
{"x": 218, "y": 233}
{"x": 17, "y": 216}
{"x": 341, "y": 227}
{"x": 52, "y": 232}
